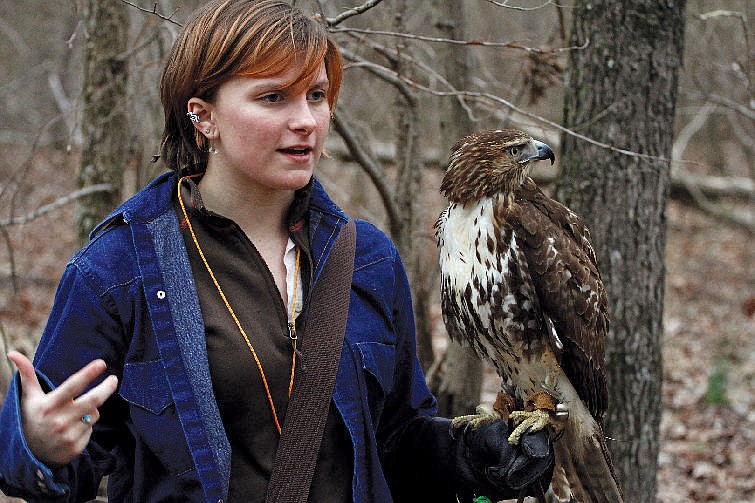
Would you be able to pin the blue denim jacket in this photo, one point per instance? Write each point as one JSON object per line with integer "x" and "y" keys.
{"x": 128, "y": 297}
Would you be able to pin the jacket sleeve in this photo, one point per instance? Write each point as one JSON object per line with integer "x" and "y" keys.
{"x": 413, "y": 474}
{"x": 72, "y": 338}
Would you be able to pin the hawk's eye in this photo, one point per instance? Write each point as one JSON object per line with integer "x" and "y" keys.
{"x": 514, "y": 151}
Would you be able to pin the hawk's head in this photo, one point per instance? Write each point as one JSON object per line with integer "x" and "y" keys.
{"x": 491, "y": 162}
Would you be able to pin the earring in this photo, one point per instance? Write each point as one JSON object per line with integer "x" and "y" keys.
{"x": 192, "y": 117}
{"x": 211, "y": 149}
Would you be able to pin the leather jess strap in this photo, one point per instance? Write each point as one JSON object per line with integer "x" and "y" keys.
{"x": 307, "y": 411}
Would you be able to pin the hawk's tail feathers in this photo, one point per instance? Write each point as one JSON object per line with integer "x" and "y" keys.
{"x": 587, "y": 466}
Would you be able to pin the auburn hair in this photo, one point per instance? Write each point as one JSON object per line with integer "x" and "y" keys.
{"x": 228, "y": 38}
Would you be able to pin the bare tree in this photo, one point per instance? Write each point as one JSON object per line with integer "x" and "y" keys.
{"x": 621, "y": 90}
{"x": 105, "y": 117}
{"x": 457, "y": 377}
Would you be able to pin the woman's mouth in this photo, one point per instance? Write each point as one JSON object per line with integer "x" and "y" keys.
{"x": 297, "y": 151}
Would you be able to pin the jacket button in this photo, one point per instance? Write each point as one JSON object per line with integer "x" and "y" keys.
{"x": 161, "y": 294}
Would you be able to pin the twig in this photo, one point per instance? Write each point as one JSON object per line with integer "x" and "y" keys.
{"x": 514, "y": 7}
{"x": 442, "y": 40}
{"x": 354, "y": 11}
{"x": 689, "y": 130}
{"x": 388, "y": 75}
{"x": 62, "y": 201}
{"x": 154, "y": 12}
{"x": 693, "y": 189}
{"x": 723, "y": 13}
{"x": 373, "y": 169}
{"x": 11, "y": 259}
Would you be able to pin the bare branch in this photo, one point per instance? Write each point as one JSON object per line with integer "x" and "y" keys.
{"x": 154, "y": 12}
{"x": 689, "y": 130}
{"x": 373, "y": 169}
{"x": 145, "y": 43}
{"x": 66, "y": 107}
{"x": 391, "y": 76}
{"x": 384, "y": 73}
{"x": 733, "y": 105}
{"x": 354, "y": 11}
{"x": 14, "y": 36}
{"x": 442, "y": 40}
{"x": 693, "y": 186}
{"x": 501, "y": 101}
{"x": 11, "y": 259}
{"x": 742, "y": 17}
{"x": 744, "y": 219}
{"x": 514, "y": 7}
{"x": 723, "y": 13}
{"x": 43, "y": 210}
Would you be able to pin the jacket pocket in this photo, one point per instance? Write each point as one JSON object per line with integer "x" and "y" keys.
{"x": 145, "y": 385}
{"x": 155, "y": 422}
{"x": 378, "y": 366}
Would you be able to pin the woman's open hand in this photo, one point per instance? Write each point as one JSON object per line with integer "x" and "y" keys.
{"x": 57, "y": 425}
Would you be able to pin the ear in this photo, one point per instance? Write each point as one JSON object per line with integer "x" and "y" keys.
{"x": 203, "y": 110}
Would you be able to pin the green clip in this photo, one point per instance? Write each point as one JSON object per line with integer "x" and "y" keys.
{"x": 481, "y": 499}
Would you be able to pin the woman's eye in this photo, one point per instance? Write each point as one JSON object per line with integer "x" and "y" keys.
{"x": 318, "y": 95}
{"x": 272, "y": 97}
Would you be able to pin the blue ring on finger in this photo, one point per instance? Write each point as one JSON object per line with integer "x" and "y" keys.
{"x": 87, "y": 419}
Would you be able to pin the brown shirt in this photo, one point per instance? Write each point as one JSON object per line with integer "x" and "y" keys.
{"x": 250, "y": 290}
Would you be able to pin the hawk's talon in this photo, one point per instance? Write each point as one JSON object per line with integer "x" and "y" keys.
{"x": 482, "y": 417}
{"x": 528, "y": 421}
{"x": 541, "y": 410}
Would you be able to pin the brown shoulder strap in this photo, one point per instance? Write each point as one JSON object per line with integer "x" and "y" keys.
{"x": 303, "y": 427}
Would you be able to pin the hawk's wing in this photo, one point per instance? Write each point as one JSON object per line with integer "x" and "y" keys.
{"x": 563, "y": 268}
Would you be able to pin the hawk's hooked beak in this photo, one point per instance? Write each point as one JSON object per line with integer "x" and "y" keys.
{"x": 539, "y": 151}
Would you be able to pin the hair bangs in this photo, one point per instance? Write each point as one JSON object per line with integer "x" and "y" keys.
{"x": 287, "y": 43}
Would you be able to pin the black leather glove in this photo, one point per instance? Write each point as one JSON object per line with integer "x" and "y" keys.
{"x": 432, "y": 461}
{"x": 487, "y": 465}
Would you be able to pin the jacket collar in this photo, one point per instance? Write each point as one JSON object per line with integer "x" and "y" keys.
{"x": 156, "y": 198}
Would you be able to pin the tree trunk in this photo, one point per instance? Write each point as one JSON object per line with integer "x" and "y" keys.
{"x": 408, "y": 185}
{"x": 106, "y": 110}
{"x": 621, "y": 90}
{"x": 457, "y": 381}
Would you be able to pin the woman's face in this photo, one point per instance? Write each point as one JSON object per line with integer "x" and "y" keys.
{"x": 267, "y": 136}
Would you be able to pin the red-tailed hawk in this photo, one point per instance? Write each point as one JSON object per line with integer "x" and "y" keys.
{"x": 520, "y": 285}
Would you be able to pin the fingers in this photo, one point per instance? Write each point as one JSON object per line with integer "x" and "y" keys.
{"x": 54, "y": 423}
{"x": 69, "y": 391}
{"x": 77, "y": 383}
{"x": 536, "y": 445}
{"x": 95, "y": 397}
{"x": 29, "y": 382}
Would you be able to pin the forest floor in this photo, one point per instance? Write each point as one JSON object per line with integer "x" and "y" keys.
{"x": 708, "y": 425}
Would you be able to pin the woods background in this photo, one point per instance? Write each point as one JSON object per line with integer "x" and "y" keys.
{"x": 601, "y": 81}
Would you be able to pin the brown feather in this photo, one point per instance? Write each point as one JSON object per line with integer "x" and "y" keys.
{"x": 580, "y": 318}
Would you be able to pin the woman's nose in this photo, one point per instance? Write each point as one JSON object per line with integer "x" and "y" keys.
{"x": 302, "y": 119}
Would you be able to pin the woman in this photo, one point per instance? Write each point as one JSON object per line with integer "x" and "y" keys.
{"x": 189, "y": 298}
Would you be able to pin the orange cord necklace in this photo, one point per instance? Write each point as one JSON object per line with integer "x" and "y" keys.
{"x": 292, "y": 324}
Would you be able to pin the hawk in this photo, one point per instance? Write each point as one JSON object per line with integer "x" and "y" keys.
{"x": 520, "y": 285}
